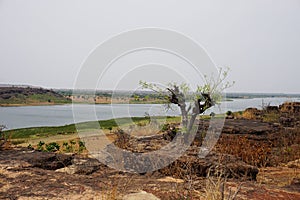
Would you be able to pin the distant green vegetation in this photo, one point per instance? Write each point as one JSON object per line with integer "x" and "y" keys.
{"x": 28, "y": 95}
{"x": 37, "y": 132}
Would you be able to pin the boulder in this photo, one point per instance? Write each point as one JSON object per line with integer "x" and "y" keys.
{"x": 272, "y": 109}
{"x": 142, "y": 195}
{"x": 213, "y": 164}
{"x": 23, "y": 157}
{"x": 83, "y": 166}
{"x": 287, "y": 121}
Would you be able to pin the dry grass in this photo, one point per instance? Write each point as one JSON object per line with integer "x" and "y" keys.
{"x": 262, "y": 151}
{"x": 251, "y": 152}
{"x": 215, "y": 187}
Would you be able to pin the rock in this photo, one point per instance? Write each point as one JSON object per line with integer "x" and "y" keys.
{"x": 294, "y": 185}
{"x": 83, "y": 166}
{"x": 142, "y": 195}
{"x": 24, "y": 158}
{"x": 296, "y": 182}
{"x": 294, "y": 164}
{"x": 230, "y": 117}
{"x": 189, "y": 162}
{"x": 250, "y": 127}
{"x": 287, "y": 121}
{"x": 47, "y": 160}
{"x": 272, "y": 109}
{"x": 171, "y": 180}
{"x": 213, "y": 164}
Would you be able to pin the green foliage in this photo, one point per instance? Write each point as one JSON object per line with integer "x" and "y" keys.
{"x": 203, "y": 98}
{"x": 72, "y": 142}
{"x": 165, "y": 127}
{"x": 212, "y": 86}
{"x": 81, "y": 146}
{"x": 52, "y": 147}
{"x": 65, "y": 144}
{"x": 2, "y": 135}
{"x": 40, "y": 146}
{"x": 17, "y": 95}
{"x": 41, "y": 143}
{"x": 228, "y": 113}
{"x": 215, "y": 86}
{"x": 67, "y": 148}
{"x": 37, "y": 132}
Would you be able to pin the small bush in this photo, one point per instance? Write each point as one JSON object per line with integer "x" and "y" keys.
{"x": 165, "y": 127}
{"x": 229, "y": 113}
{"x": 81, "y": 146}
{"x": 30, "y": 147}
{"x": 52, "y": 147}
{"x": 122, "y": 140}
{"x": 40, "y": 146}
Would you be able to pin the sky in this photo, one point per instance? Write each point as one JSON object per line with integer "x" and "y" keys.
{"x": 45, "y": 43}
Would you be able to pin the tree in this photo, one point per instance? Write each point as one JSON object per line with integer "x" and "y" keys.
{"x": 202, "y": 99}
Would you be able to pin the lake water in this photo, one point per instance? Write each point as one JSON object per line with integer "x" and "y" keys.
{"x": 32, "y": 116}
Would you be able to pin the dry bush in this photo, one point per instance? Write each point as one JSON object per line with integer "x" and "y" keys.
{"x": 251, "y": 114}
{"x": 251, "y": 152}
{"x": 5, "y": 140}
{"x": 286, "y": 146}
{"x": 262, "y": 151}
{"x": 215, "y": 187}
{"x": 271, "y": 117}
{"x": 122, "y": 140}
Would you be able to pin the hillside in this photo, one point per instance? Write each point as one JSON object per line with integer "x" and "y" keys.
{"x": 10, "y": 96}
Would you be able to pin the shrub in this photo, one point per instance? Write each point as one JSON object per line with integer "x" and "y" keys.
{"x": 40, "y": 146}
{"x": 52, "y": 147}
{"x": 228, "y": 113}
{"x": 250, "y": 151}
{"x": 30, "y": 147}
{"x": 72, "y": 142}
{"x": 67, "y": 148}
{"x": 122, "y": 140}
{"x": 165, "y": 127}
{"x": 81, "y": 146}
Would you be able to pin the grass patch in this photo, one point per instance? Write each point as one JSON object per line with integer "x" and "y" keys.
{"x": 271, "y": 117}
{"x": 38, "y": 132}
{"x": 16, "y": 142}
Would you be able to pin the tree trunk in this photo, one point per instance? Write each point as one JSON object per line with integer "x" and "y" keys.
{"x": 184, "y": 115}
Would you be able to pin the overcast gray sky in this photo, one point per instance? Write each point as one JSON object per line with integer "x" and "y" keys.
{"x": 44, "y": 43}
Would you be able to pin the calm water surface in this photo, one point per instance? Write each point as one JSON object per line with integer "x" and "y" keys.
{"x": 32, "y": 116}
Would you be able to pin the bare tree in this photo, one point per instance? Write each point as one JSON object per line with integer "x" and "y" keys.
{"x": 202, "y": 99}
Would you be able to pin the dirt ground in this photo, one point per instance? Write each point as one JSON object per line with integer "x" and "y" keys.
{"x": 21, "y": 182}
{"x": 30, "y": 174}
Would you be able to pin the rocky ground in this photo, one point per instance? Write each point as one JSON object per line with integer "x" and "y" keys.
{"x": 253, "y": 159}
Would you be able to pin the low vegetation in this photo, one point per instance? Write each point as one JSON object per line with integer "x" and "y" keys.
{"x": 71, "y": 146}
{"x": 38, "y": 132}
{"x": 10, "y": 96}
